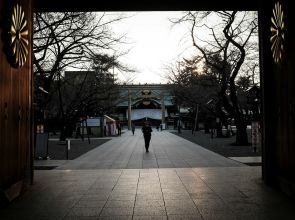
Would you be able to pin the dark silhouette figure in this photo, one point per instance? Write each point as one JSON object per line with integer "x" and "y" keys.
{"x": 212, "y": 132}
{"x": 133, "y": 128}
{"x": 119, "y": 129}
{"x": 147, "y": 133}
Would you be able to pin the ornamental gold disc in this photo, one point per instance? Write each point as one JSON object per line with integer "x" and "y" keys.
{"x": 19, "y": 36}
{"x": 277, "y": 33}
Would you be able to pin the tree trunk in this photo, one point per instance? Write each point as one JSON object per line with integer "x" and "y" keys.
{"x": 66, "y": 130}
{"x": 196, "y": 127}
{"x": 62, "y": 136}
{"x": 241, "y": 136}
{"x": 63, "y": 128}
{"x": 219, "y": 130}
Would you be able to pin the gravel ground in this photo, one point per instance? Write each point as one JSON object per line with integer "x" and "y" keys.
{"x": 57, "y": 149}
{"x": 223, "y": 146}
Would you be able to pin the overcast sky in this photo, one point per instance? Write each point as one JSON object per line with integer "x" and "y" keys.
{"x": 154, "y": 43}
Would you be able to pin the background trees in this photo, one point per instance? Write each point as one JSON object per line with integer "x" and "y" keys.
{"x": 193, "y": 86}
{"x": 229, "y": 50}
{"x": 81, "y": 41}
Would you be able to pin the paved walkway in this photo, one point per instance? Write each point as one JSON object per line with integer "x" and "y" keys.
{"x": 211, "y": 187}
{"x": 168, "y": 193}
{"x": 166, "y": 151}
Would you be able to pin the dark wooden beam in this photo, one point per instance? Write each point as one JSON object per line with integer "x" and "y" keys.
{"x": 144, "y": 5}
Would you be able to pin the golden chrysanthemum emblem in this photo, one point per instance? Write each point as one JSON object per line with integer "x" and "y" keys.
{"x": 277, "y": 33}
{"x": 19, "y": 36}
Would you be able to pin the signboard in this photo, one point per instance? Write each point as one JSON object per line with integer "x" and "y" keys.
{"x": 91, "y": 122}
{"x": 40, "y": 129}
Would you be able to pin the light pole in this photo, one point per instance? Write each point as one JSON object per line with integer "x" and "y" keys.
{"x": 129, "y": 109}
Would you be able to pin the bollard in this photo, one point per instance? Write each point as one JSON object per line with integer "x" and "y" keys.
{"x": 68, "y": 147}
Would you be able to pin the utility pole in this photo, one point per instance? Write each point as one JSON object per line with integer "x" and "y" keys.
{"x": 129, "y": 110}
{"x": 163, "y": 111}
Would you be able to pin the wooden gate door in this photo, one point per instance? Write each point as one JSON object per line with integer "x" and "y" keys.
{"x": 15, "y": 97}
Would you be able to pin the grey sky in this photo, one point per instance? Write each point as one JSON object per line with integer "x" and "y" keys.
{"x": 153, "y": 43}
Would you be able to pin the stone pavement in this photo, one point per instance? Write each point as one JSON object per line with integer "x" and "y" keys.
{"x": 248, "y": 160}
{"x": 168, "y": 193}
{"x": 209, "y": 187}
{"x": 166, "y": 151}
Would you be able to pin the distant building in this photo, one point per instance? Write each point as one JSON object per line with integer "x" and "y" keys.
{"x": 140, "y": 102}
{"x": 135, "y": 102}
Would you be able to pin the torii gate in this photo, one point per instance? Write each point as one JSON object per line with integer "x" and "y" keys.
{"x": 277, "y": 46}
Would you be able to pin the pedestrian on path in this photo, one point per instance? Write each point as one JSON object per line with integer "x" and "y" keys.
{"x": 147, "y": 133}
{"x": 133, "y": 128}
{"x": 212, "y": 132}
{"x": 119, "y": 128}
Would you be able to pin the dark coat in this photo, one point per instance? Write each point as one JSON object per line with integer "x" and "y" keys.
{"x": 146, "y": 130}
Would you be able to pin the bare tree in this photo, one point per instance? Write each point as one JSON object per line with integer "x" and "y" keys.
{"x": 230, "y": 40}
{"x": 191, "y": 86}
{"x": 69, "y": 39}
{"x": 77, "y": 40}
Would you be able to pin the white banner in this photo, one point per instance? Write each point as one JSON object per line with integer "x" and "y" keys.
{"x": 146, "y": 113}
{"x": 91, "y": 122}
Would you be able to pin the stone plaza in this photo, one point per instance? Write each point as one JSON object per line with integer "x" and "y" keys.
{"x": 177, "y": 179}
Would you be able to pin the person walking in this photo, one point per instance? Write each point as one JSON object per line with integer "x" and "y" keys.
{"x": 119, "y": 129}
{"x": 133, "y": 128}
{"x": 147, "y": 133}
